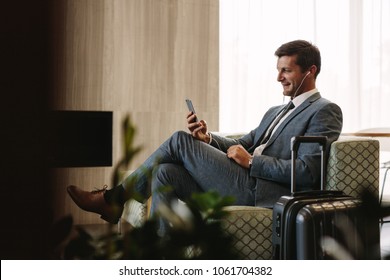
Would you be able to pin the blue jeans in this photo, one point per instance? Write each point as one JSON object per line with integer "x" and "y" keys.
{"x": 189, "y": 165}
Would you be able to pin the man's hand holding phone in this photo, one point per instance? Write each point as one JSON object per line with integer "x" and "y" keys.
{"x": 197, "y": 128}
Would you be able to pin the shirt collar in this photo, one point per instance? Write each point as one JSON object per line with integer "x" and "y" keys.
{"x": 302, "y": 97}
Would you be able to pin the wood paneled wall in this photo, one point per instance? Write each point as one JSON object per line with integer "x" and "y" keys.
{"x": 137, "y": 57}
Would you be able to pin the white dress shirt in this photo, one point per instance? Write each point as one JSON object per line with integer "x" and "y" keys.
{"x": 297, "y": 101}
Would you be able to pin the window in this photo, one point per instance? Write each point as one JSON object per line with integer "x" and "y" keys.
{"x": 354, "y": 40}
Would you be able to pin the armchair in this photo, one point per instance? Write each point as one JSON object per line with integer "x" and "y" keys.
{"x": 353, "y": 165}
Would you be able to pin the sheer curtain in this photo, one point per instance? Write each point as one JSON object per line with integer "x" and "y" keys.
{"x": 354, "y": 40}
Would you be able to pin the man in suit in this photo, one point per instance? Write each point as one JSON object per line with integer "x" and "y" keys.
{"x": 255, "y": 169}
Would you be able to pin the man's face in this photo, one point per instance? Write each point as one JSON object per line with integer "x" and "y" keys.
{"x": 290, "y": 75}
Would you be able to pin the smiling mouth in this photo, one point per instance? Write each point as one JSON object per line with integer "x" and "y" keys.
{"x": 286, "y": 88}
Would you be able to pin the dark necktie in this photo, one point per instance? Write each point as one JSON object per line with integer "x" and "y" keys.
{"x": 286, "y": 108}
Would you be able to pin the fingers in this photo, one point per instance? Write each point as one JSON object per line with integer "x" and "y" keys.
{"x": 239, "y": 155}
{"x": 192, "y": 126}
{"x": 232, "y": 151}
{"x": 198, "y": 128}
{"x": 234, "y": 148}
{"x": 190, "y": 115}
{"x": 191, "y": 123}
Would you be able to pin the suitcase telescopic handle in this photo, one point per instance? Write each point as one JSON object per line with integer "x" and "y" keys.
{"x": 295, "y": 141}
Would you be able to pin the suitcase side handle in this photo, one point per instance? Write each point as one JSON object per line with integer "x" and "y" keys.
{"x": 295, "y": 141}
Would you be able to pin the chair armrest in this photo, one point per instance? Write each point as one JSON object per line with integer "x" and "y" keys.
{"x": 353, "y": 166}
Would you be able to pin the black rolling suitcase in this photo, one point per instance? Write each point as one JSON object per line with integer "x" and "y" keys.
{"x": 296, "y": 233}
{"x": 337, "y": 229}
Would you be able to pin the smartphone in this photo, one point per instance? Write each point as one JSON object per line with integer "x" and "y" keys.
{"x": 191, "y": 107}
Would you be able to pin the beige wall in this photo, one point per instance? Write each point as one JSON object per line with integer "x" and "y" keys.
{"x": 137, "y": 57}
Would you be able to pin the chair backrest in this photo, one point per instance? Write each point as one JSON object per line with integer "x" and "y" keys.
{"x": 353, "y": 166}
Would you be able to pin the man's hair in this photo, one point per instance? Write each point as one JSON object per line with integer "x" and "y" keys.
{"x": 307, "y": 54}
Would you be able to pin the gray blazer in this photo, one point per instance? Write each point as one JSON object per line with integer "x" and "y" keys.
{"x": 316, "y": 116}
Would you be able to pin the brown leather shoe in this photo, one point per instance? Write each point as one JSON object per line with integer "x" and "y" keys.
{"x": 94, "y": 202}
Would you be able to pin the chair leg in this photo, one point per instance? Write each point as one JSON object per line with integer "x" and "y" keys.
{"x": 119, "y": 227}
{"x": 381, "y": 196}
{"x": 383, "y": 185}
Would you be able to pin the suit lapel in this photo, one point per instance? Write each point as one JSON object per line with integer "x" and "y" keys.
{"x": 308, "y": 102}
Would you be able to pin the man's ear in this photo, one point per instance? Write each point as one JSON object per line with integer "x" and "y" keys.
{"x": 312, "y": 70}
